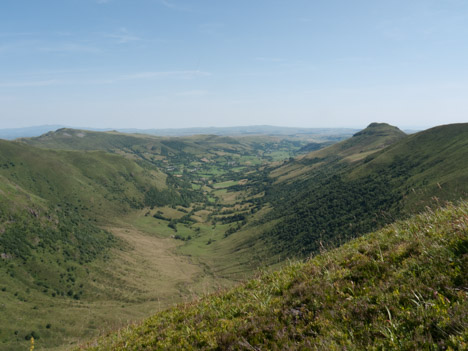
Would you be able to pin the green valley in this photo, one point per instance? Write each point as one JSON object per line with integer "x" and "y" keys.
{"x": 391, "y": 289}
{"x": 102, "y": 229}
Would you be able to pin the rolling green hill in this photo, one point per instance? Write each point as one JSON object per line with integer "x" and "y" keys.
{"x": 187, "y": 152}
{"x": 375, "y": 137}
{"x": 97, "y": 182}
{"x": 87, "y": 208}
{"x": 111, "y": 226}
{"x": 334, "y": 200}
{"x": 144, "y": 145}
{"x": 74, "y": 139}
{"x": 55, "y": 246}
{"x": 52, "y": 200}
{"x": 431, "y": 163}
{"x": 403, "y": 287}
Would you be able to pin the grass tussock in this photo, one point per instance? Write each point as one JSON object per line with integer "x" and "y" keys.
{"x": 404, "y": 287}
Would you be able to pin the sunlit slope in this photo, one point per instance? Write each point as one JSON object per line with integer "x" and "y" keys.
{"x": 432, "y": 163}
{"x": 375, "y": 137}
{"x": 53, "y": 203}
{"x": 135, "y": 144}
{"x": 403, "y": 287}
{"x": 183, "y": 148}
{"x": 96, "y": 182}
{"x": 336, "y": 201}
{"x": 75, "y": 139}
{"x": 55, "y": 255}
{"x": 54, "y": 199}
{"x": 366, "y": 142}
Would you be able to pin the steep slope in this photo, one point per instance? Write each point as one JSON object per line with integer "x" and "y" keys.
{"x": 218, "y": 213}
{"x": 362, "y": 144}
{"x": 96, "y": 182}
{"x": 432, "y": 163}
{"x": 334, "y": 200}
{"x": 54, "y": 251}
{"x": 375, "y": 137}
{"x": 50, "y": 201}
{"x": 403, "y": 287}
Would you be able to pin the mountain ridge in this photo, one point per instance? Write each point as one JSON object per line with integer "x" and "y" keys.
{"x": 35, "y": 131}
{"x": 317, "y": 204}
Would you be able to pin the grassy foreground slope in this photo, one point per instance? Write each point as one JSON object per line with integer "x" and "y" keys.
{"x": 403, "y": 287}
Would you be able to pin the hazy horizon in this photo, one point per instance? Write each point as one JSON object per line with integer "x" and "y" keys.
{"x": 159, "y": 64}
{"x": 110, "y": 128}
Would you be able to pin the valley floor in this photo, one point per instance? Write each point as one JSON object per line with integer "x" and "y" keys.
{"x": 145, "y": 274}
{"x": 401, "y": 288}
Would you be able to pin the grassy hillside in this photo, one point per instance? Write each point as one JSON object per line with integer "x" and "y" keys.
{"x": 432, "y": 163}
{"x": 335, "y": 201}
{"x": 176, "y": 154}
{"x": 143, "y": 222}
{"x": 375, "y": 137}
{"x": 403, "y": 287}
{"x": 96, "y": 182}
{"x": 159, "y": 243}
{"x": 74, "y": 139}
{"x": 141, "y": 144}
{"x": 50, "y": 202}
{"x": 54, "y": 248}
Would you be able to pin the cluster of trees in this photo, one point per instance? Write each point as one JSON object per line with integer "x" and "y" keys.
{"x": 179, "y": 192}
{"x": 51, "y": 249}
{"x": 59, "y": 230}
{"x": 329, "y": 210}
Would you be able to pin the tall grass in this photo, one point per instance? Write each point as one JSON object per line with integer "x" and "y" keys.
{"x": 403, "y": 287}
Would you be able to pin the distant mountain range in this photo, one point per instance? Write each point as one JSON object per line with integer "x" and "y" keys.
{"x": 27, "y": 132}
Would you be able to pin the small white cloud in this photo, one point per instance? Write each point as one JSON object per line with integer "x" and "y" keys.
{"x": 123, "y": 36}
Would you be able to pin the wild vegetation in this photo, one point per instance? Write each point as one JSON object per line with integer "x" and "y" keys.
{"x": 403, "y": 287}
{"x": 345, "y": 196}
{"x": 97, "y": 230}
{"x": 75, "y": 222}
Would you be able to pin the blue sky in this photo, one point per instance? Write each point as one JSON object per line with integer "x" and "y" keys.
{"x": 180, "y": 63}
